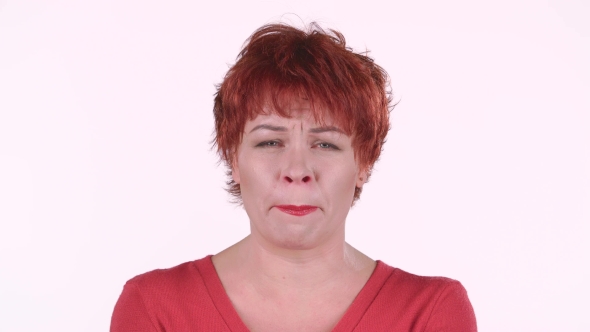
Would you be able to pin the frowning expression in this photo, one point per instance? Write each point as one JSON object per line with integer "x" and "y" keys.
{"x": 297, "y": 179}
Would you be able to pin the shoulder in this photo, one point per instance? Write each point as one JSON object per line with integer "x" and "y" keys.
{"x": 167, "y": 280}
{"x": 436, "y": 303}
{"x": 416, "y": 285}
{"x": 176, "y": 285}
{"x": 172, "y": 298}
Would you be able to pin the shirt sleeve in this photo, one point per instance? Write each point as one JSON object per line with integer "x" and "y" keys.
{"x": 131, "y": 314}
{"x": 452, "y": 312}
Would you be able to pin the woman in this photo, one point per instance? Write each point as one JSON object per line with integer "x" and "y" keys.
{"x": 300, "y": 120}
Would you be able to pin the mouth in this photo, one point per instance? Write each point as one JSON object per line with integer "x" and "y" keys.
{"x": 297, "y": 210}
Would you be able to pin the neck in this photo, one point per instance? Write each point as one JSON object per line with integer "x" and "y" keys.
{"x": 292, "y": 269}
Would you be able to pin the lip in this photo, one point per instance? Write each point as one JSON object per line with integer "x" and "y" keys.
{"x": 297, "y": 210}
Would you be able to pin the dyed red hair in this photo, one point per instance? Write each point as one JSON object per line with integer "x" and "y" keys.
{"x": 280, "y": 64}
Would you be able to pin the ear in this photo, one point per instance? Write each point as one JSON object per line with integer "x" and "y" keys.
{"x": 235, "y": 171}
{"x": 362, "y": 178}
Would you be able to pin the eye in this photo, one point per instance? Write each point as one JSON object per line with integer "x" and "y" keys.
{"x": 325, "y": 145}
{"x": 268, "y": 144}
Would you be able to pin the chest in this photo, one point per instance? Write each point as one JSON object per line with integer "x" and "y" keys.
{"x": 305, "y": 312}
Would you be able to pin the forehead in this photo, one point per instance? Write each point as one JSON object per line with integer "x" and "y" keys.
{"x": 299, "y": 106}
{"x": 298, "y": 117}
{"x": 299, "y": 110}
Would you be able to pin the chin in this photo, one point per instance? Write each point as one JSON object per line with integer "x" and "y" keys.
{"x": 296, "y": 239}
{"x": 298, "y": 243}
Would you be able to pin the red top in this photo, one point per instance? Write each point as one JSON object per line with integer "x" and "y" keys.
{"x": 190, "y": 297}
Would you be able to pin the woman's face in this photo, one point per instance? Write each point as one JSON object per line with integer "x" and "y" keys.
{"x": 297, "y": 180}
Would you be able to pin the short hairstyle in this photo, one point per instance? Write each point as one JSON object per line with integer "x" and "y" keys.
{"x": 280, "y": 64}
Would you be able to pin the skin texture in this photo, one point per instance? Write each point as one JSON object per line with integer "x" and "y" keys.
{"x": 294, "y": 272}
{"x": 286, "y": 161}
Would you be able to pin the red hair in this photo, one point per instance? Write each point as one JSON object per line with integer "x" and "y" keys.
{"x": 280, "y": 64}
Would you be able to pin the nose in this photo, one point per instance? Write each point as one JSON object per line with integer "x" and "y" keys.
{"x": 297, "y": 168}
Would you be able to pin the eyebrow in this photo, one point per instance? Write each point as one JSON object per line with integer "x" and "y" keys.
{"x": 269, "y": 127}
{"x": 312, "y": 130}
{"x": 326, "y": 129}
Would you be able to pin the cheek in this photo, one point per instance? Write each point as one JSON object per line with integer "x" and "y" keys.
{"x": 342, "y": 179}
{"x": 255, "y": 177}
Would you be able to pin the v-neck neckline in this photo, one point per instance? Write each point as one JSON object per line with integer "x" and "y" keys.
{"x": 347, "y": 323}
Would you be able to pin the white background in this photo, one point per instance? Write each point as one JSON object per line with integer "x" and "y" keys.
{"x": 106, "y": 170}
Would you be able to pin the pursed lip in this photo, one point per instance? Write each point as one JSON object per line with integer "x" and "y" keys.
{"x": 297, "y": 210}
